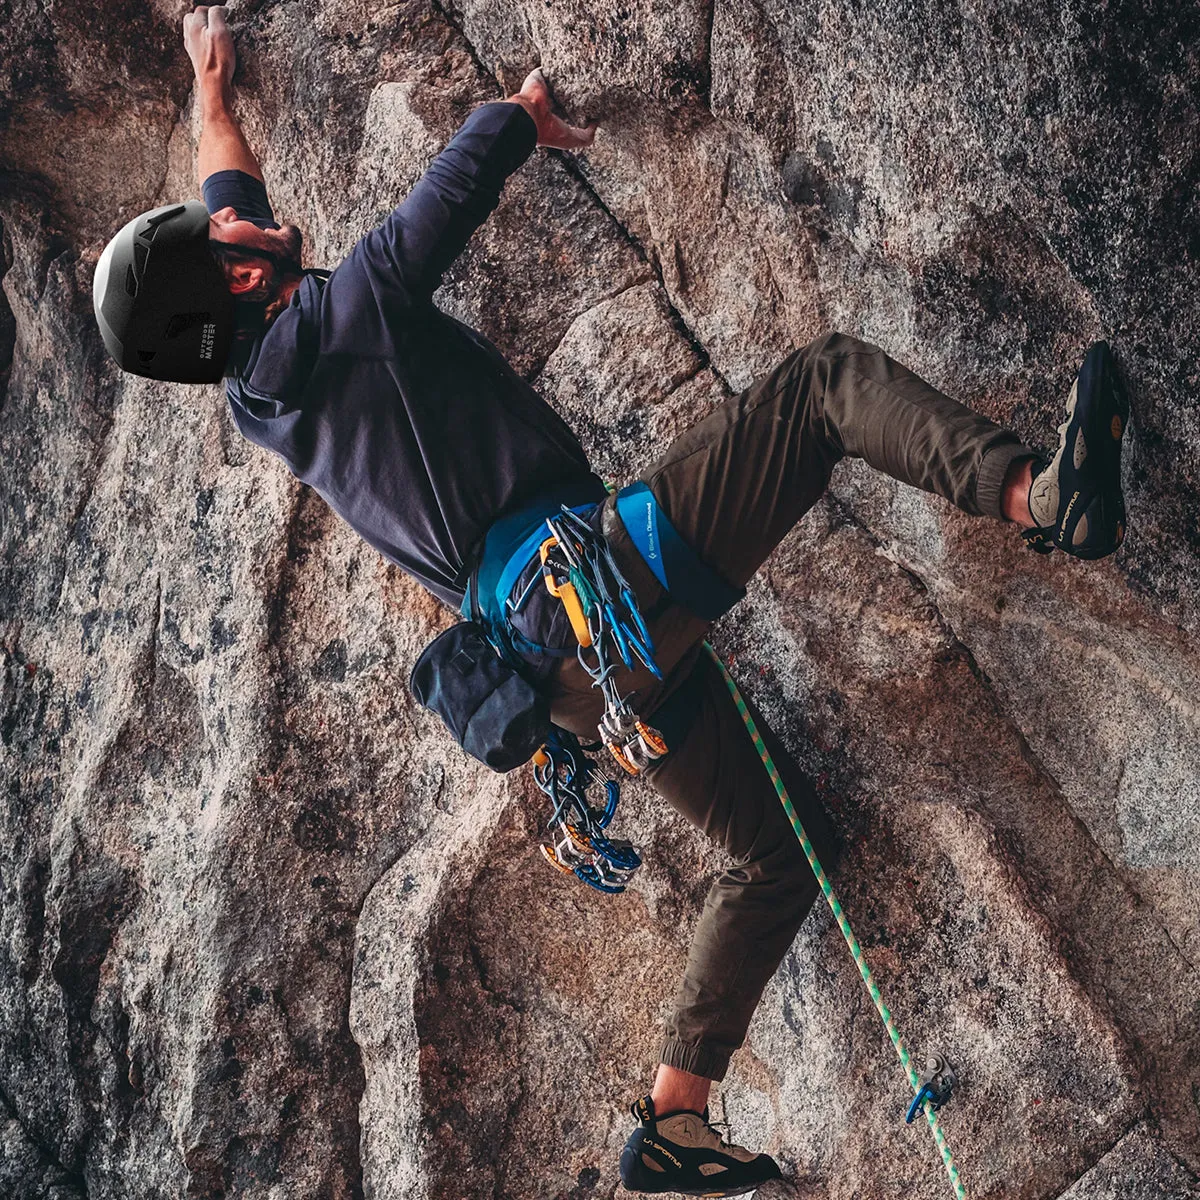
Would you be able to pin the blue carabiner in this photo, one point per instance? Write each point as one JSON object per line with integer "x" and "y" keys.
{"x": 624, "y": 858}
{"x": 632, "y": 605}
{"x": 647, "y": 656}
{"x": 612, "y": 793}
{"x": 591, "y": 877}
{"x": 926, "y": 1093}
{"x": 618, "y": 635}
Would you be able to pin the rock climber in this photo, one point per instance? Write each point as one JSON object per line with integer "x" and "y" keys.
{"x": 360, "y": 384}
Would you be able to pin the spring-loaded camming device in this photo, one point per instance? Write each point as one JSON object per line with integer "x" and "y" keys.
{"x": 579, "y": 845}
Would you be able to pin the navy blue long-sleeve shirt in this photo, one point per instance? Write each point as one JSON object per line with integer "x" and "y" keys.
{"x": 410, "y": 424}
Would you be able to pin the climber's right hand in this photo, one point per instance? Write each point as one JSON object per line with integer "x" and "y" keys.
{"x": 552, "y": 130}
{"x": 209, "y": 44}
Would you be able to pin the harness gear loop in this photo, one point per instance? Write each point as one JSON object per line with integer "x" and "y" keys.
{"x": 579, "y": 569}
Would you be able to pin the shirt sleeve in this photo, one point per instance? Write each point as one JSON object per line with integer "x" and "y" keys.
{"x": 458, "y": 192}
{"x": 245, "y": 194}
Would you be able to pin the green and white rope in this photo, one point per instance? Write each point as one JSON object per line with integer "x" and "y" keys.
{"x": 843, "y": 924}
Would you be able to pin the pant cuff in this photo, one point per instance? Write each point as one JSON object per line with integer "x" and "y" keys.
{"x": 989, "y": 482}
{"x": 697, "y": 1058}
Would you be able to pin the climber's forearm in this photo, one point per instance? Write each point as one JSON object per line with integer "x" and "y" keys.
{"x": 209, "y": 45}
{"x": 223, "y": 146}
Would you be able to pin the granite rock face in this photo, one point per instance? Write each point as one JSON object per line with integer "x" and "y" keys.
{"x": 1136, "y": 1168}
{"x": 266, "y": 933}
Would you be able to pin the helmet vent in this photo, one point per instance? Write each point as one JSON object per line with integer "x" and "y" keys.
{"x": 131, "y": 281}
{"x": 181, "y": 322}
{"x": 140, "y": 254}
{"x": 155, "y": 222}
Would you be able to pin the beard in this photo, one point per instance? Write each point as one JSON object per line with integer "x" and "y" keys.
{"x": 291, "y": 244}
{"x": 254, "y": 314}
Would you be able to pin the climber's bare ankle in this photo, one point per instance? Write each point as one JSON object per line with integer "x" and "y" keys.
{"x": 675, "y": 1090}
{"x": 1014, "y": 492}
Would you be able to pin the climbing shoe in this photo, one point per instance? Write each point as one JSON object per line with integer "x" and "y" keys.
{"x": 1076, "y": 499}
{"x": 681, "y": 1152}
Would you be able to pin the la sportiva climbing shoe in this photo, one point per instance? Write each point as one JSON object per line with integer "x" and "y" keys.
{"x": 681, "y": 1152}
{"x": 1076, "y": 499}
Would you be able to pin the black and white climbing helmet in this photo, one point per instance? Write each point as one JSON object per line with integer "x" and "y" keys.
{"x": 162, "y": 302}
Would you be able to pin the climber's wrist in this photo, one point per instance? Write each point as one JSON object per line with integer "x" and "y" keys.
{"x": 216, "y": 98}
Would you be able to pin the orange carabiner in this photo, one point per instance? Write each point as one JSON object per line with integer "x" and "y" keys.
{"x": 565, "y": 592}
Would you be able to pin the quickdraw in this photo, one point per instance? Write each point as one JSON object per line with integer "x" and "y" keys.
{"x": 937, "y": 1086}
{"x": 578, "y": 568}
{"x": 580, "y": 846}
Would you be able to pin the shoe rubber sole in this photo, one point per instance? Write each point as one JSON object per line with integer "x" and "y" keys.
{"x": 1089, "y": 460}
{"x": 637, "y": 1179}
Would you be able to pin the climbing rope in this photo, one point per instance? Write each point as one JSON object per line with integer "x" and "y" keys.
{"x": 927, "y": 1097}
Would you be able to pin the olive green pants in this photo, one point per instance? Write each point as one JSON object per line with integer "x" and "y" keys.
{"x": 733, "y": 486}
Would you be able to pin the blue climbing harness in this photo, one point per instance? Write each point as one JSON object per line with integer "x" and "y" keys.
{"x": 578, "y": 568}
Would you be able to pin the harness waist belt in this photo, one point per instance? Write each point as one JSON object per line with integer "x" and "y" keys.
{"x": 690, "y": 581}
{"x": 514, "y": 539}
